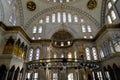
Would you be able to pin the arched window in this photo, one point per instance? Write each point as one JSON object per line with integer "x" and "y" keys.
{"x": 30, "y": 54}
{"x": 94, "y": 53}
{"x": 59, "y": 17}
{"x": 91, "y": 37}
{"x": 34, "y": 29}
{"x": 55, "y": 76}
{"x": 102, "y": 53}
{"x": 61, "y": 1}
{"x": 68, "y": 42}
{"x": 40, "y": 29}
{"x": 64, "y": 17}
{"x": 87, "y": 51}
{"x": 47, "y": 19}
{"x": 109, "y": 5}
{"x": 28, "y": 76}
{"x": 62, "y": 44}
{"x": 62, "y": 55}
{"x": 82, "y": 20}
{"x": 33, "y": 38}
{"x": 55, "y": 56}
{"x": 89, "y": 28}
{"x": 93, "y": 75}
{"x": 70, "y": 76}
{"x": 35, "y": 76}
{"x": 107, "y": 75}
{"x": 69, "y": 17}
{"x": 53, "y": 17}
{"x": 39, "y": 38}
{"x": 99, "y": 75}
{"x": 85, "y": 37}
{"x": 69, "y": 55}
{"x": 111, "y": 15}
{"x": 37, "y": 53}
{"x": 83, "y": 28}
{"x": 109, "y": 19}
{"x": 41, "y": 21}
{"x": 14, "y": 22}
{"x": 75, "y": 18}
{"x": 11, "y": 18}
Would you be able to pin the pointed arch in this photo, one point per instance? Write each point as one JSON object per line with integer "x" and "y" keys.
{"x": 65, "y": 7}
{"x": 3, "y": 72}
{"x": 112, "y": 76}
{"x": 116, "y": 71}
{"x": 106, "y": 72}
{"x": 16, "y": 73}
{"x": 10, "y": 73}
{"x": 9, "y": 46}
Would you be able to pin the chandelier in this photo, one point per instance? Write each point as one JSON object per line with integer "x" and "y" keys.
{"x": 62, "y": 64}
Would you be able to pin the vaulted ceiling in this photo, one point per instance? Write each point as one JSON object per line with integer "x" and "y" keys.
{"x": 28, "y": 14}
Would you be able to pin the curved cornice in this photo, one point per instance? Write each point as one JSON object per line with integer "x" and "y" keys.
{"x": 103, "y": 9}
{"x": 59, "y": 7}
{"x": 19, "y": 29}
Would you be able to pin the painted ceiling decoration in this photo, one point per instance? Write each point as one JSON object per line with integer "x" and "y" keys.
{"x": 91, "y": 4}
{"x": 29, "y": 13}
{"x": 64, "y": 7}
{"x": 31, "y": 5}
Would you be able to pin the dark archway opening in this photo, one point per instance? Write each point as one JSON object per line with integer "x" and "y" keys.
{"x": 10, "y": 73}
{"x": 116, "y": 71}
{"x": 111, "y": 72}
{"x": 3, "y": 72}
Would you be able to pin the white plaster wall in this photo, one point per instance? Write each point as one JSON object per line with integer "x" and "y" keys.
{"x": 2, "y": 41}
{"x": 7, "y": 11}
{"x": 1, "y": 12}
{"x": 17, "y": 62}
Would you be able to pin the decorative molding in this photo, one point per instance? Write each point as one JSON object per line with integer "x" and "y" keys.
{"x": 31, "y": 6}
{"x": 105, "y": 27}
{"x": 21, "y": 13}
{"x": 19, "y": 29}
{"x": 103, "y": 10}
{"x": 59, "y": 7}
{"x": 117, "y": 7}
{"x": 91, "y": 4}
{"x": 112, "y": 56}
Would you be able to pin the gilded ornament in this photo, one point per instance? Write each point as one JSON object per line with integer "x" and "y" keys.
{"x": 31, "y": 5}
{"x": 91, "y": 4}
